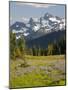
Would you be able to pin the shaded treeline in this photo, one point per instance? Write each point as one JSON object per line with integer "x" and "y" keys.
{"x": 54, "y": 48}
{"x": 18, "y": 48}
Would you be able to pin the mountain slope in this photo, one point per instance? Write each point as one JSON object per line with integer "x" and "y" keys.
{"x": 44, "y": 40}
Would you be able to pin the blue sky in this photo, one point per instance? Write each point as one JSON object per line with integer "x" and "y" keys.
{"x": 23, "y": 11}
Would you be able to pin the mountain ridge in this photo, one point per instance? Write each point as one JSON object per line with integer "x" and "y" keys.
{"x": 35, "y": 29}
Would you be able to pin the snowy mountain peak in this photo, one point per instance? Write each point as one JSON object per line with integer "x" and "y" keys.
{"x": 36, "y": 28}
{"x": 31, "y": 22}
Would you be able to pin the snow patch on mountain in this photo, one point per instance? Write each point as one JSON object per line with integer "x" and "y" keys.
{"x": 53, "y": 19}
{"x": 17, "y": 31}
{"x": 36, "y": 27}
{"x": 26, "y": 34}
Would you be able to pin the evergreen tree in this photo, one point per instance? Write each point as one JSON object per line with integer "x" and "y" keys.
{"x": 55, "y": 48}
{"x": 17, "y": 47}
{"x": 62, "y": 45}
{"x": 21, "y": 45}
{"x": 45, "y": 52}
{"x": 34, "y": 50}
{"x": 39, "y": 51}
{"x": 50, "y": 49}
{"x": 12, "y": 45}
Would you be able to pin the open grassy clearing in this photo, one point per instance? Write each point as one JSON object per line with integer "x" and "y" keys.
{"x": 40, "y": 71}
{"x": 51, "y": 57}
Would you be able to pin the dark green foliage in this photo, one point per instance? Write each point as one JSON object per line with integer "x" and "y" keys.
{"x": 21, "y": 46}
{"x": 17, "y": 47}
{"x": 12, "y": 45}
{"x": 54, "y": 48}
{"x": 57, "y": 48}
{"x": 62, "y": 45}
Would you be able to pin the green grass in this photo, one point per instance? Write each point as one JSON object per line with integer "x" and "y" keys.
{"x": 41, "y": 71}
{"x": 30, "y": 80}
{"x": 51, "y": 57}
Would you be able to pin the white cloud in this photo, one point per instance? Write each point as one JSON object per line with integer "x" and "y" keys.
{"x": 35, "y": 19}
{"x": 25, "y": 18}
{"x": 37, "y": 5}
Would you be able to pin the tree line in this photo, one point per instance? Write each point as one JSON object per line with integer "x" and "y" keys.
{"x": 18, "y": 48}
{"x": 54, "y": 48}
